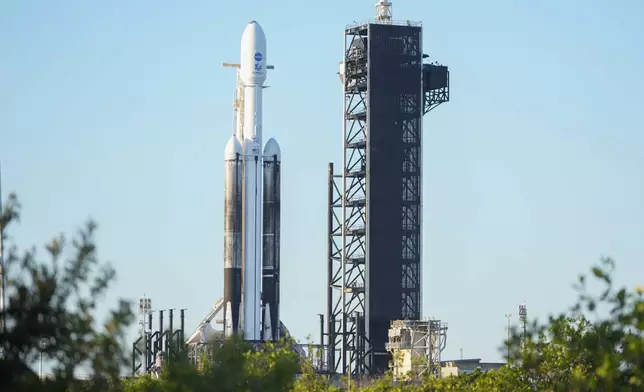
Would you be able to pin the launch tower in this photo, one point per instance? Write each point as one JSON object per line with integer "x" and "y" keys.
{"x": 375, "y": 204}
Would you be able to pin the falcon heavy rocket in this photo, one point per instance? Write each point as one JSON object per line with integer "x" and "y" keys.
{"x": 252, "y": 204}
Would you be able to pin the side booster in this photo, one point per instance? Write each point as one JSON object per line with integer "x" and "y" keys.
{"x": 232, "y": 233}
{"x": 252, "y": 205}
{"x": 271, "y": 239}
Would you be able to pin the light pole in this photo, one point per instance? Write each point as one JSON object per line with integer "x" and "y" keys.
{"x": 145, "y": 307}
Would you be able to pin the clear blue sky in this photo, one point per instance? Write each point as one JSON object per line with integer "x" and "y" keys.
{"x": 120, "y": 111}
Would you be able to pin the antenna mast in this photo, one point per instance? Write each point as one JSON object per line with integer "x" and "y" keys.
{"x": 523, "y": 316}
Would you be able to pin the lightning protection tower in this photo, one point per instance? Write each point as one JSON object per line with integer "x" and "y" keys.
{"x": 374, "y": 216}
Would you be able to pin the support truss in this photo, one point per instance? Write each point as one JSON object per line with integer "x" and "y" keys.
{"x": 348, "y": 218}
{"x": 435, "y": 86}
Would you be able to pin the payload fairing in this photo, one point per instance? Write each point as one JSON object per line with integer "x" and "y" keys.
{"x": 252, "y": 184}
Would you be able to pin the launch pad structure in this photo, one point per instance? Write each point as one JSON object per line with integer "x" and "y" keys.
{"x": 153, "y": 348}
{"x": 375, "y": 199}
{"x": 205, "y": 333}
{"x": 416, "y": 347}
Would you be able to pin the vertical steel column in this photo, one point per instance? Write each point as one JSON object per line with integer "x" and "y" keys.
{"x": 343, "y": 225}
{"x": 329, "y": 295}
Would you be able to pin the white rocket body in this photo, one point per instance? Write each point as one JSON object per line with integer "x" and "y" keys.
{"x": 248, "y": 125}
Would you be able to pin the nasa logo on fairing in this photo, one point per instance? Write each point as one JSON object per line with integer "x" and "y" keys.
{"x": 258, "y": 64}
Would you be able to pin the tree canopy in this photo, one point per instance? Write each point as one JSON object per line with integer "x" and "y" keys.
{"x": 598, "y": 344}
{"x": 51, "y": 308}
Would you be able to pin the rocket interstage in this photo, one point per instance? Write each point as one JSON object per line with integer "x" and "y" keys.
{"x": 252, "y": 182}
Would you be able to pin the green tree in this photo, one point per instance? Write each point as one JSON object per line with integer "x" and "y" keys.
{"x": 51, "y": 310}
{"x": 568, "y": 352}
{"x": 309, "y": 380}
{"x": 232, "y": 365}
{"x": 573, "y": 354}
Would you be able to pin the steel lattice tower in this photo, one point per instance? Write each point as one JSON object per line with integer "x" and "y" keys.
{"x": 374, "y": 216}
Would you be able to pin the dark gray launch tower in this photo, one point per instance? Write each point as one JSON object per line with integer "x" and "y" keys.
{"x": 375, "y": 209}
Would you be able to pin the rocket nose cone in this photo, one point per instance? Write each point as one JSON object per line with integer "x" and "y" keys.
{"x": 253, "y": 55}
{"x": 254, "y": 30}
{"x": 272, "y": 148}
{"x": 255, "y": 26}
{"x": 233, "y": 147}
